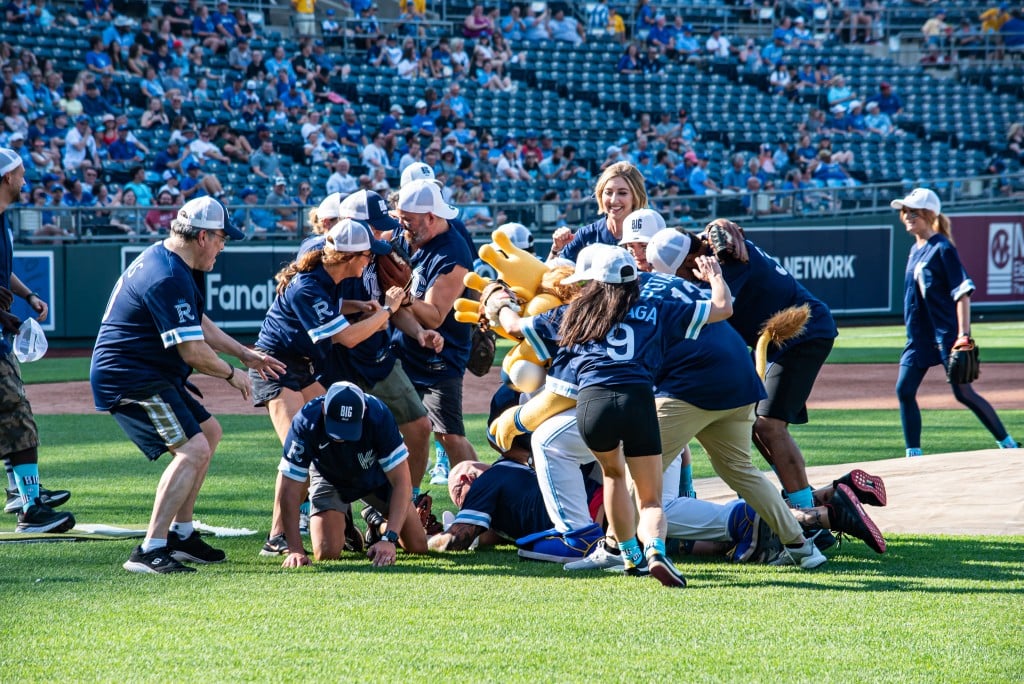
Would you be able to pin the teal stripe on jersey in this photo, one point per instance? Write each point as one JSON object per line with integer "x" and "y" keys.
{"x": 179, "y": 335}
{"x": 328, "y": 329}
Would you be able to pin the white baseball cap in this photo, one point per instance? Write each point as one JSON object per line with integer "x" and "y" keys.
{"x": 667, "y": 250}
{"x": 206, "y": 213}
{"x": 9, "y": 160}
{"x": 424, "y": 197}
{"x": 641, "y": 225}
{"x": 610, "y": 264}
{"x": 519, "y": 234}
{"x": 352, "y": 236}
{"x": 919, "y": 198}
{"x": 416, "y": 171}
{"x": 369, "y": 207}
{"x": 330, "y": 207}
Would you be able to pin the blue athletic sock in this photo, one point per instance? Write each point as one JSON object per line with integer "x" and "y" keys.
{"x": 151, "y": 544}
{"x": 440, "y": 454}
{"x": 914, "y": 451}
{"x": 801, "y": 499}
{"x": 656, "y": 545}
{"x": 631, "y": 552}
{"x": 415, "y": 493}
{"x": 26, "y": 478}
{"x": 1008, "y": 442}
{"x": 686, "y": 481}
{"x": 184, "y": 530}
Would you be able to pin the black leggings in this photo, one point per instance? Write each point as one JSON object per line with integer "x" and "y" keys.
{"x": 906, "y": 390}
{"x": 622, "y": 414}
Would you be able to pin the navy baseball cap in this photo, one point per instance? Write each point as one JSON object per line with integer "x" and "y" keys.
{"x": 344, "y": 406}
{"x": 369, "y": 207}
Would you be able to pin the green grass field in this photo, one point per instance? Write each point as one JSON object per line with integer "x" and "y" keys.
{"x": 933, "y": 608}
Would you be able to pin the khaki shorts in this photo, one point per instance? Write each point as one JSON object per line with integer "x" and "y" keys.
{"x": 17, "y": 426}
{"x": 398, "y": 394}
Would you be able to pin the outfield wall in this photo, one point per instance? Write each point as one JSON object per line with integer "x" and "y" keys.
{"x": 855, "y": 264}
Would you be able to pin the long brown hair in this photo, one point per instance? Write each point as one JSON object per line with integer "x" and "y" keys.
{"x": 598, "y": 308}
{"x": 939, "y": 222}
{"x": 305, "y": 263}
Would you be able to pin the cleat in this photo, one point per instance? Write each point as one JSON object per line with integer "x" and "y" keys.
{"x": 807, "y": 556}
{"x": 51, "y": 498}
{"x": 869, "y": 489}
{"x": 599, "y": 559}
{"x": 41, "y": 518}
{"x": 424, "y": 505}
{"x": 193, "y": 549}
{"x": 821, "y": 537}
{"x": 353, "y": 539}
{"x": 664, "y": 571}
{"x": 157, "y": 562}
{"x": 276, "y": 546}
{"x": 373, "y": 519}
{"x": 847, "y": 516}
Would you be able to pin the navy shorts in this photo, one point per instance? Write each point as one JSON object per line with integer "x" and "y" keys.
{"x": 443, "y": 403}
{"x": 299, "y": 374}
{"x": 790, "y": 379}
{"x": 161, "y": 422}
{"x": 626, "y": 414}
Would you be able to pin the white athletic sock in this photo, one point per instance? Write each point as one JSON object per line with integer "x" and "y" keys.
{"x": 153, "y": 544}
{"x": 183, "y": 529}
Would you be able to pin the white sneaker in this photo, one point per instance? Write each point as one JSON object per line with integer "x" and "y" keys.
{"x": 599, "y": 559}
{"x": 439, "y": 474}
{"x": 807, "y": 556}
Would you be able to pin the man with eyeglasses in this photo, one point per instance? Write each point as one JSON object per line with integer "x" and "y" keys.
{"x": 154, "y": 333}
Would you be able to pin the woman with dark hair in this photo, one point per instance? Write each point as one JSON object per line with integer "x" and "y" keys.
{"x": 629, "y": 63}
{"x": 614, "y": 340}
{"x": 937, "y": 312}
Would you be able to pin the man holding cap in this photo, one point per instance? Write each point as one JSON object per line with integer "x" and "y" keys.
{"x": 154, "y": 333}
{"x": 348, "y": 445}
{"x": 440, "y": 258}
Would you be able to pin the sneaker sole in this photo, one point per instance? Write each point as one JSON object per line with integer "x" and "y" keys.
{"x": 266, "y": 553}
{"x": 875, "y": 540}
{"x": 812, "y": 562}
{"x": 51, "y": 501}
{"x": 664, "y": 574}
{"x": 185, "y": 557}
{"x": 439, "y": 480}
{"x": 587, "y": 565}
{"x": 550, "y": 558}
{"x": 132, "y": 566}
{"x": 868, "y": 488}
{"x": 55, "y": 527}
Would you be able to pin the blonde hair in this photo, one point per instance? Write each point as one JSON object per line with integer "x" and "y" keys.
{"x": 634, "y": 179}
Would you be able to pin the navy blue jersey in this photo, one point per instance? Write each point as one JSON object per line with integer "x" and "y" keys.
{"x": 760, "y": 289}
{"x": 541, "y": 333}
{"x": 506, "y": 498}
{"x": 6, "y": 268}
{"x": 312, "y": 243}
{"x": 303, "y": 318}
{"x": 354, "y": 468}
{"x": 372, "y": 359}
{"x": 156, "y": 304}
{"x": 934, "y": 280}
{"x": 631, "y": 353}
{"x": 460, "y": 228}
{"x": 596, "y": 232}
{"x": 436, "y": 258}
{"x": 713, "y": 371}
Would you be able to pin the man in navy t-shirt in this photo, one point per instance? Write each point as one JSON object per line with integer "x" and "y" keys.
{"x": 154, "y": 333}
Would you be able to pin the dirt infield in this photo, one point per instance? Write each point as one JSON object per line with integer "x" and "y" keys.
{"x": 839, "y": 386}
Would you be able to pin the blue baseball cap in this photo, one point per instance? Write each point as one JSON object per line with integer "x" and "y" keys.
{"x": 344, "y": 406}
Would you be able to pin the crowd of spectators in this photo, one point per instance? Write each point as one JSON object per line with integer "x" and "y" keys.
{"x": 88, "y": 141}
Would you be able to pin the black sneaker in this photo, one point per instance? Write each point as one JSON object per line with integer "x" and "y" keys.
{"x": 157, "y": 561}
{"x": 869, "y": 489}
{"x": 848, "y": 517}
{"x": 373, "y": 519}
{"x": 51, "y": 498}
{"x": 193, "y": 549}
{"x": 41, "y": 518}
{"x": 664, "y": 571}
{"x": 277, "y": 546}
{"x": 353, "y": 540}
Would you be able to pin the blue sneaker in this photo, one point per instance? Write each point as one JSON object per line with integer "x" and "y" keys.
{"x": 556, "y": 547}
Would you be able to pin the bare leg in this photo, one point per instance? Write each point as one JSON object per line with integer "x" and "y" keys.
{"x": 282, "y": 409}
{"x": 417, "y": 438}
{"x": 772, "y": 439}
{"x": 327, "y": 535}
{"x": 647, "y": 478}
{"x": 457, "y": 447}
{"x": 179, "y": 484}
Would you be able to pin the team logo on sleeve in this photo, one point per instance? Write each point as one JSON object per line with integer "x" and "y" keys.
{"x": 322, "y": 309}
{"x": 184, "y": 310}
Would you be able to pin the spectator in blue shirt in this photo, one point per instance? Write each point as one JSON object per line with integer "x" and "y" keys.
{"x": 123, "y": 149}
{"x": 96, "y": 59}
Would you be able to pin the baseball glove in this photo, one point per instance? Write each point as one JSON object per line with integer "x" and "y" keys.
{"x": 726, "y": 241}
{"x": 964, "y": 363}
{"x": 493, "y": 298}
{"x": 482, "y": 349}
{"x": 394, "y": 268}
{"x": 424, "y": 503}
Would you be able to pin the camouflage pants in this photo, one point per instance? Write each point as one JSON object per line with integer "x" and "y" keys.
{"x": 17, "y": 426}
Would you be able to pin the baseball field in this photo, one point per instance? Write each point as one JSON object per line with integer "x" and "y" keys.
{"x": 944, "y": 603}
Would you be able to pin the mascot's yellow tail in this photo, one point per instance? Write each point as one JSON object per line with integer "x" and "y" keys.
{"x": 785, "y": 325}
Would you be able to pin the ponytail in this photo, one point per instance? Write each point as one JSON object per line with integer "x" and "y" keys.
{"x": 944, "y": 226}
